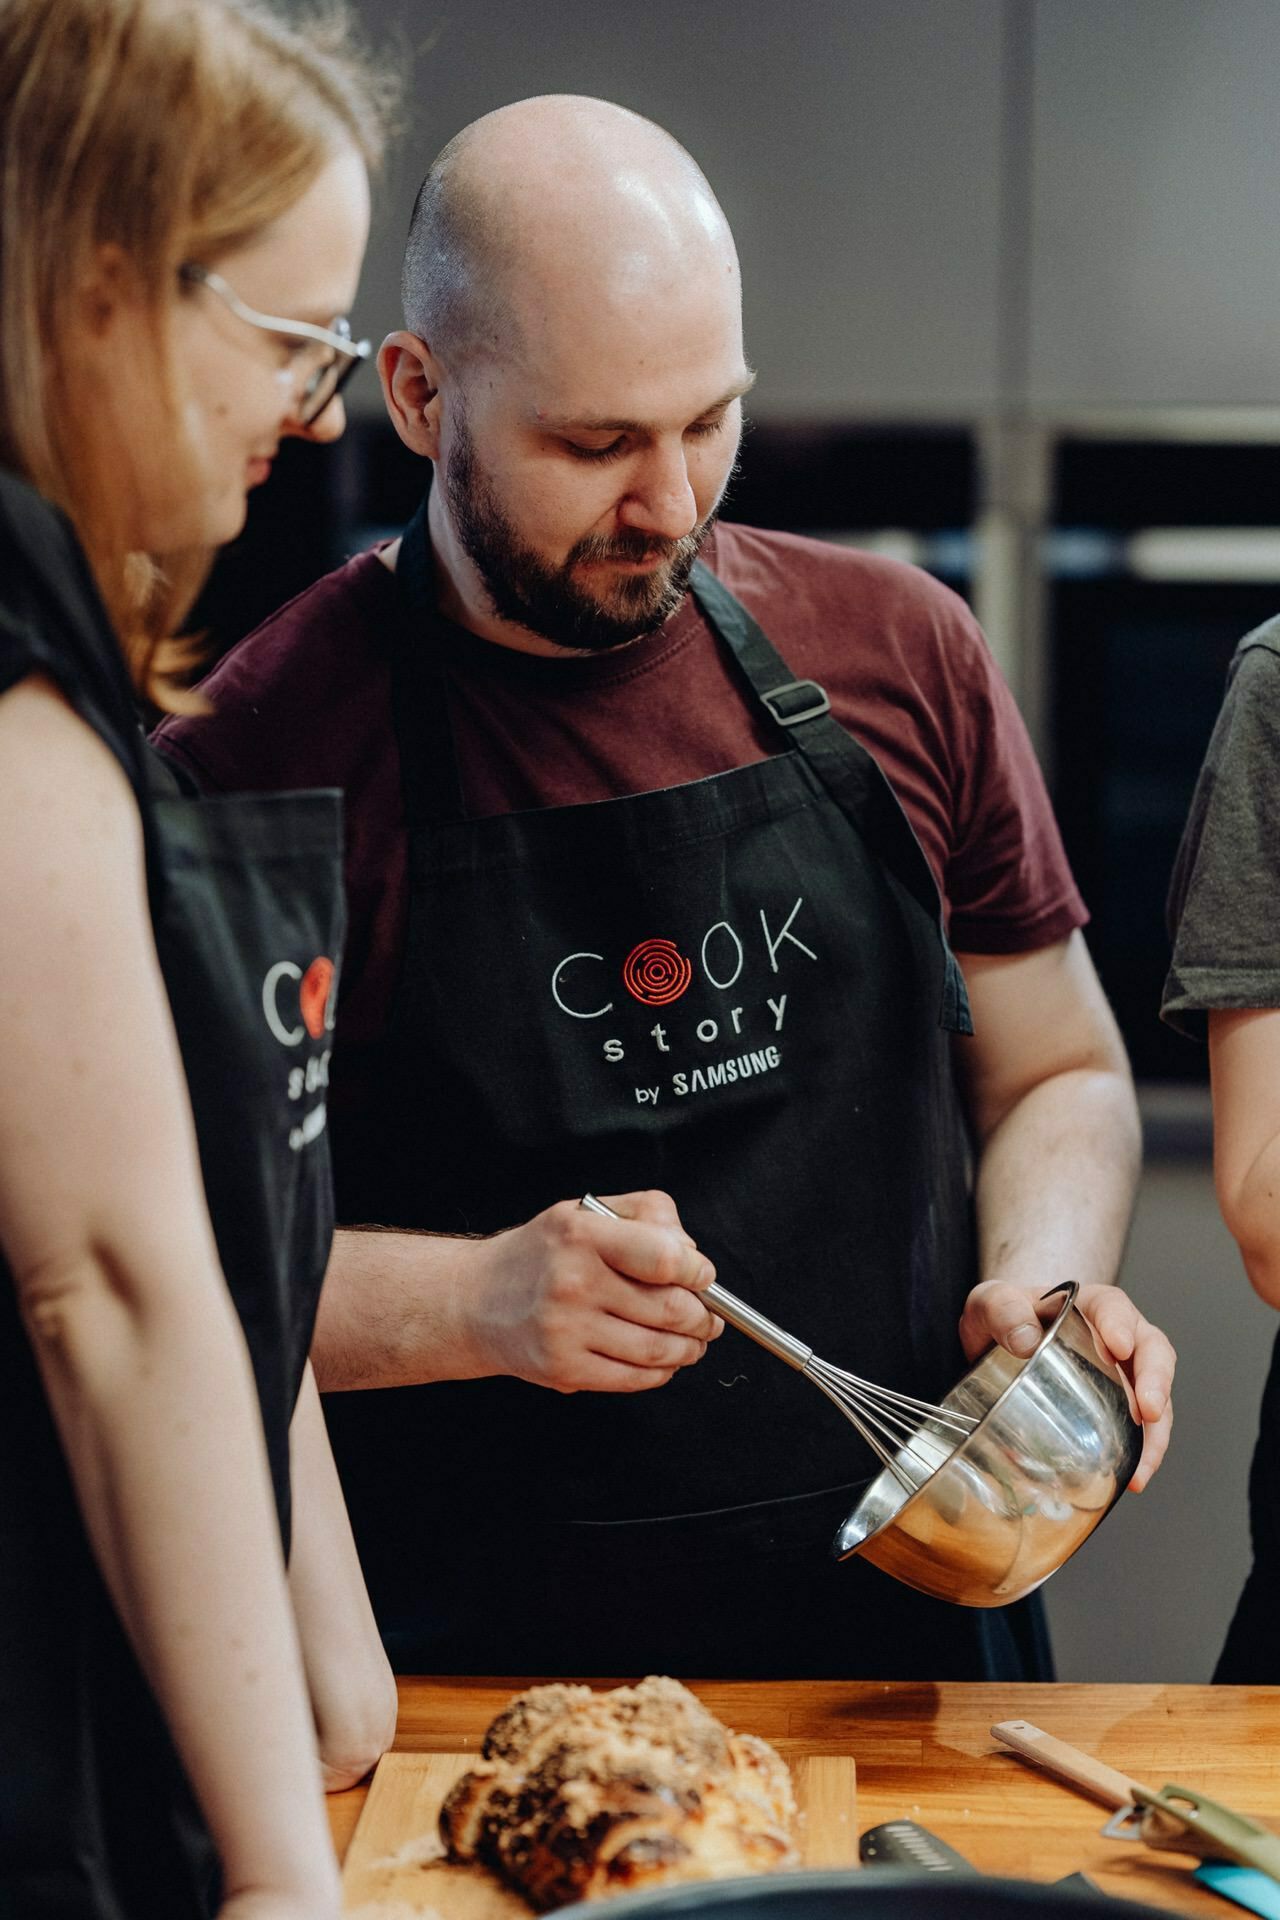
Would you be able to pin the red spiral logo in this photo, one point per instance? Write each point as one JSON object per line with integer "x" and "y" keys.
{"x": 656, "y": 972}
{"x": 313, "y": 995}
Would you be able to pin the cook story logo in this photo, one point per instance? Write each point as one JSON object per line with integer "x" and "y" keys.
{"x": 315, "y": 991}
{"x": 658, "y": 972}
{"x": 298, "y": 1005}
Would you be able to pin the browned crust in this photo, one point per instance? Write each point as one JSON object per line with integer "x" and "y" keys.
{"x": 581, "y": 1794}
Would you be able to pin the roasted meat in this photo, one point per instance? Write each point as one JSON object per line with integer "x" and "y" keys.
{"x": 581, "y": 1794}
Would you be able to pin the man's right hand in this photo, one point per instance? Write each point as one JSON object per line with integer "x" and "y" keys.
{"x": 577, "y": 1302}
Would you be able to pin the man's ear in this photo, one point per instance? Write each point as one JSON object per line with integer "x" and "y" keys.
{"x": 410, "y": 380}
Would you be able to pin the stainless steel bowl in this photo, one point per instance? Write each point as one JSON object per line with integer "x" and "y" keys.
{"x": 1054, "y": 1448}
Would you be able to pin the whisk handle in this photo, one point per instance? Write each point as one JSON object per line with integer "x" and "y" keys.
{"x": 756, "y": 1326}
{"x": 735, "y": 1311}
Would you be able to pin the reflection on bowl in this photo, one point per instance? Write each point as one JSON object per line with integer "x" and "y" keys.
{"x": 1055, "y": 1446}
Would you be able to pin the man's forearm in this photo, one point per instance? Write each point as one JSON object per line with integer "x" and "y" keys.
{"x": 1051, "y": 1099}
{"x": 567, "y": 1300}
{"x": 1056, "y": 1182}
{"x": 392, "y": 1313}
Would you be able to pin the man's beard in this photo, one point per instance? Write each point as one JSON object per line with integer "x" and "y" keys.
{"x": 547, "y": 600}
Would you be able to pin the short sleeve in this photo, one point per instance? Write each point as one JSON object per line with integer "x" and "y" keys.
{"x": 911, "y": 676}
{"x": 24, "y": 644}
{"x": 53, "y": 623}
{"x": 1224, "y": 899}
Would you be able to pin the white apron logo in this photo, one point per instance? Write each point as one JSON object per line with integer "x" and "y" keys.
{"x": 295, "y": 1006}
{"x": 657, "y": 974}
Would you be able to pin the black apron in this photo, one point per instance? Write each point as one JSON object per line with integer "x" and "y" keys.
{"x": 737, "y": 990}
{"x": 97, "y": 1820}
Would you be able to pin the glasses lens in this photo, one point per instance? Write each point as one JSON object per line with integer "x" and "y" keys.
{"x": 324, "y": 385}
{"x": 321, "y": 386}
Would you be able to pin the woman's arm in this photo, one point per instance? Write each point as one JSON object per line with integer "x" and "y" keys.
{"x": 104, "y": 1223}
{"x": 353, "y": 1690}
{"x": 1244, "y": 1064}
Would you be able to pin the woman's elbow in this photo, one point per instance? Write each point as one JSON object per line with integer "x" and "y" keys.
{"x": 71, "y": 1309}
{"x": 345, "y": 1763}
{"x": 1263, "y": 1268}
{"x": 349, "y": 1752}
{"x": 1258, "y": 1239}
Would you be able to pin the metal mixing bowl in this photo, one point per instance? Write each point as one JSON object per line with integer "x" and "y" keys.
{"x": 1054, "y": 1448}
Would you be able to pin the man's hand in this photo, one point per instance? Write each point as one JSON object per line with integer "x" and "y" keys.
{"x": 1000, "y": 1312}
{"x": 1052, "y": 1105}
{"x": 578, "y": 1302}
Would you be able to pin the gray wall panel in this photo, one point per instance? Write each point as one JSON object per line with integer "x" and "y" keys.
{"x": 855, "y": 148}
{"x": 1156, "y": 193}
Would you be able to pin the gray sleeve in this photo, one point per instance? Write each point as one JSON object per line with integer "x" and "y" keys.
{"x": 1224, "y": 900}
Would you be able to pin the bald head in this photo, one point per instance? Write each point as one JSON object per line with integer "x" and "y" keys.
{"x": 547, "y": 202}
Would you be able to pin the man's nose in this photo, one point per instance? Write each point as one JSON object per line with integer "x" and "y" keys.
{"x": 660, "y": 500}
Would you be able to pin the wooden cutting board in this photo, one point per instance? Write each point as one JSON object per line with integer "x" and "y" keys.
{"x": 393, "y": 1870}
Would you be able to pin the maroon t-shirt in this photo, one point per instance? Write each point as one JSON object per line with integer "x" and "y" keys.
{"x": 305, "y": 702}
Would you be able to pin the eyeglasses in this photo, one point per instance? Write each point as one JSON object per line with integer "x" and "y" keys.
{"x": 327, "y": 377}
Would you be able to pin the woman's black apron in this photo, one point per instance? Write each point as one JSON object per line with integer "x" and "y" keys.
{"x": 1251, "y": 1653}
{"x": 739, "y": 991}
{"x": 97, "y": 1821}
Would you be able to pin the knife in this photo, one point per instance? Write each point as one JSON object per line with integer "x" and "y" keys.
{"x": 1241, "y": 1858}
{"x": 902, "y": 1843}
{"x": 1068, "y": 1763}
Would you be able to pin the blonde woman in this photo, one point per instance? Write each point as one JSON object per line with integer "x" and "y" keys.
{"x": 184, "y": 210}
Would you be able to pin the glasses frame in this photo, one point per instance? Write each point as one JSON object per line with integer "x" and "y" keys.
{"x": 337, "y": 338}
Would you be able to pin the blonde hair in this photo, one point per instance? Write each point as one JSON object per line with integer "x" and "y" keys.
{"x": 173, "y": 130}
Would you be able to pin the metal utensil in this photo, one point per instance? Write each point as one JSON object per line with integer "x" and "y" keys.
{"x": 912, "y": 1437}
{"x": 1176, "y": 1818}
{"x": 985, "y": 1496}
{"x": 1054, "y": 1447}
{"x": 904, "y": 1843}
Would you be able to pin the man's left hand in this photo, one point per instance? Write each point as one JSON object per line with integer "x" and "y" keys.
{"x": 998, "y": 1311}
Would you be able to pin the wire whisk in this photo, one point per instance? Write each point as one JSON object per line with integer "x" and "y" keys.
{"x": 912, "y": 1437}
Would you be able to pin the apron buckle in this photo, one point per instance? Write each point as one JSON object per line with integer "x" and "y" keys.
{"x": 793, "y": 717}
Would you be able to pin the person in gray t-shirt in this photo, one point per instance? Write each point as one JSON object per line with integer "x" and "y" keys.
{"x": 1224, "y": 984}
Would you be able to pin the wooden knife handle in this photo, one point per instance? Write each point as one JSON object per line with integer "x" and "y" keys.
{"x": 1066, "y": 1763}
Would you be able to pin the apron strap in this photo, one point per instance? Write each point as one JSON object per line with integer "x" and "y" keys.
{"x": 429, "y": 776}
{"x": 432, "y": 785}
{"x": 851, "y": 774}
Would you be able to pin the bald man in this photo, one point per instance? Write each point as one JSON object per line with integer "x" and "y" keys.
{"x": 693, "y": 865}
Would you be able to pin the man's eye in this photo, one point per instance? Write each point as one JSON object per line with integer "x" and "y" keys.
{"x": 612, "y": 452}
{"x": 705, "y": 429}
